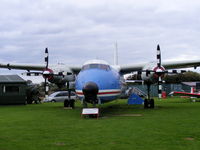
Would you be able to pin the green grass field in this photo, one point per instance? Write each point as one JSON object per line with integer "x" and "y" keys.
{"x": 173, "y": 125}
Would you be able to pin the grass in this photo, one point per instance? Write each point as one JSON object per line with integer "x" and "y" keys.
{"x": 173, "y": 125}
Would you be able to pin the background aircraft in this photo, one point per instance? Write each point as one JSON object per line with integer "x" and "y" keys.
{"x": 98, "y": 82}
{"x": 176, "y": 93}
{"x": 193, "y": 93}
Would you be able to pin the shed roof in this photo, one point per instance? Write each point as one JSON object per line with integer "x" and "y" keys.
{"x": 11, "y": 79}
{"x": 190, "y": 83}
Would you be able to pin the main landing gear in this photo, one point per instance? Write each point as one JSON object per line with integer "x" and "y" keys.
{"x": 69, "y": 103}
{"x": 148, "y": 102}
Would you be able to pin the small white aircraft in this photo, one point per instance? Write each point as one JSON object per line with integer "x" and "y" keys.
{"x": 98, "y": 82}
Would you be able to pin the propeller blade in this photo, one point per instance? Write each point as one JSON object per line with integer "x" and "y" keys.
{"x": 148, "y": 72}
{"x": 176, "y": 71}
{"x": 139, "y": 72}
{"x": 46, "y": 59}
{"x": 158, "y": 56}
{"x": 46, "y": 87}
{"x": 69, "y": 91}
{"x": 69, "y": 94}
{"x": 159, "y": 87}
{"x": 32, "y": 73}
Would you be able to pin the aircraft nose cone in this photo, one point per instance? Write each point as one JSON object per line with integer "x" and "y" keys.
{"x": 90, "y": 88}
{"x": 90, "y": 91}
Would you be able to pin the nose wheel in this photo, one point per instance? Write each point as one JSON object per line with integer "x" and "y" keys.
{"x": 84, "y": 103}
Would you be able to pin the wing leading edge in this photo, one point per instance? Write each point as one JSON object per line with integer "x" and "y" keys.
{"x": 168, "y": 65}
{"x": 38, "y": 67}
{"x": 23, "y": 67}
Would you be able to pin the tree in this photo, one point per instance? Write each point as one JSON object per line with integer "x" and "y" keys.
{"x": 185, "y": 77}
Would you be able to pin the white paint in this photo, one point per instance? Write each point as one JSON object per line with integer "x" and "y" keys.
{"x": 87, "y": 111}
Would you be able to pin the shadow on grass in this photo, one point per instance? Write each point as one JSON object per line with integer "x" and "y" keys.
{"x": 121, "y": 108}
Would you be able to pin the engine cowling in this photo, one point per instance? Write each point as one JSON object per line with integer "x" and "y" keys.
{"x": 61, "y": 80}
{"x": 47, "y": 73}
{"x": 59, "y": 74}
{"x": 151, "y": 72}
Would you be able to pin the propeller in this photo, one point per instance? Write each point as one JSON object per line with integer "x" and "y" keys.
{"x": 46, "y": 73}
{"x": 159, "y": 72}
{"x": 60, "y": 78}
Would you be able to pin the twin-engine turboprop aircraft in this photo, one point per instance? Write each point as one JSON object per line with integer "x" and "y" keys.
{"x": 98, "y": 82}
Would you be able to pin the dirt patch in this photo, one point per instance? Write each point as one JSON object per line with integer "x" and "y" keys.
{"x": 189, "y": 139}
{"x": 128, "y": 115}
{"x": 60, "y": 144}
{"x": 67, "y": 108}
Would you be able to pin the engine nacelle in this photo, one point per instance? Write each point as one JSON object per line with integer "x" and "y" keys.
{"x": 151, "y": 72}
{"x": 59, "y": 74}
{"x": 69, "y": 78}
{"x": 56, "y": 79}
{"x": 61, "y": 81}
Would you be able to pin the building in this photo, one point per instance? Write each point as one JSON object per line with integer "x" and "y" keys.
{"x": 154, "y": 88}
{"x": 186, "y": 86}
{"x": 12, "y": 90}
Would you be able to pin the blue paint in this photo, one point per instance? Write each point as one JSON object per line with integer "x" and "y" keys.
{"x": 135, "y": 99}
{"x": 105, "y": 80}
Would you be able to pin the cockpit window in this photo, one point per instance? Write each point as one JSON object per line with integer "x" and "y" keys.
{"x": 99, "y": 66}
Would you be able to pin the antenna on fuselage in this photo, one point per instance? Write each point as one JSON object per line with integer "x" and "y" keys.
{"x": 116, "y": 54}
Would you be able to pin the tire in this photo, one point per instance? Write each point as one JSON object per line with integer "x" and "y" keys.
{"x": 71, "y": 103}
{"x": 66, "y": 103}
{"x": 152, "y": 103}
{"x": 53, "y": 101}
{"x": 145, "y": 103}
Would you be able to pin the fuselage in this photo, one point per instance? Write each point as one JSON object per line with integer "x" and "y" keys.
{"x": 100, "y": 73}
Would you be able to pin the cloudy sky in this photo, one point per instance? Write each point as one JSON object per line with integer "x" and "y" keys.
{"x": 78, "y": 30}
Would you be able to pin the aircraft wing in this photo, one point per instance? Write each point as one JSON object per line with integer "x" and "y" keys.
{"x": 37, "y": 67}
{"x": 131, "y": 68}
{"x": 23, "y": 67}
{"x": 168, "y": 65}
{"x": 181, "y": 64}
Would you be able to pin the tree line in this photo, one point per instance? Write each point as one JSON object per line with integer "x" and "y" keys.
{"x": 189, "y": 76}
{"x": 184, "y": 77}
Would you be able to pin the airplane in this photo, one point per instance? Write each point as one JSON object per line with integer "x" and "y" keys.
{"x": 97, "y": 82}
{"x": 176, "y": 93}
{"x": 193, "y": 93}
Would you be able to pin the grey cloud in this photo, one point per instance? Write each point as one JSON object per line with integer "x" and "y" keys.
{"x": 85, "y": 30}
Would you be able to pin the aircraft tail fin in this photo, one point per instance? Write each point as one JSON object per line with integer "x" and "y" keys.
{"x": 116, "y": 54}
